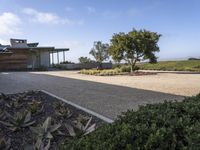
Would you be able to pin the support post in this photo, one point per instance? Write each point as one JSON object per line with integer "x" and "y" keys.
{"x": 63, "y": 55}
{"x": 57, "y": 57}
{"x": 52, "y": 58}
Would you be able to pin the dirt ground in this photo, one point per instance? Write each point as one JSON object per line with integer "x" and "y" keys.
{"x": 178, "y": 84}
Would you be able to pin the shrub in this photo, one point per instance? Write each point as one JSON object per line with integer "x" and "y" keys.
{"x": 67, "y": 62}
{"x": 126, "y": 68}
{"x": 164, "y": 126}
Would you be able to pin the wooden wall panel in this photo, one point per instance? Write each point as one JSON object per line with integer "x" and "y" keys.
{"x": 15, "y": 61}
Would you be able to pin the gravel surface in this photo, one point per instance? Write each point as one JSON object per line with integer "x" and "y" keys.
{"x": 108, "y": 96}
{"x": 173, "y": 83}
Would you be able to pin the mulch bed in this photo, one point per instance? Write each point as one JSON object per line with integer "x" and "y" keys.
{"x": 41, "y": 106}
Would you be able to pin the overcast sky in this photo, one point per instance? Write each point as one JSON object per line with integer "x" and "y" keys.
{"x": 76, "y": 24}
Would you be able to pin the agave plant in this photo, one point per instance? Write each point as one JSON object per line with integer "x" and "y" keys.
{"x": 80, "y": 128}
{"x": 62, "y": 110}
{"x": 44, "y": 133}
{"x": 34, "y": 106}
{"x": 5, "y": 144}
{"x": 20, "y": 120}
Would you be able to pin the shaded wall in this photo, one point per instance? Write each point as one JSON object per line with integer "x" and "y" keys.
{"x": 45, "y": 58}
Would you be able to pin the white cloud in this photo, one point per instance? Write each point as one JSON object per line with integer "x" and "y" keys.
{"x": 4, "y": 42}
{"x": 9, "y": 24}
{"x": 48, "y": 18}
{"x": 90, "y": 9}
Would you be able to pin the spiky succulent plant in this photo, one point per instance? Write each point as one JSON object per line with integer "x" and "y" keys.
{"x": 35, "y": 106}
{"x": 80, "y": 127}
{"x": 62, "y": 110}
{"x": 44, "y": 132}
{"x": 20, "y": 120}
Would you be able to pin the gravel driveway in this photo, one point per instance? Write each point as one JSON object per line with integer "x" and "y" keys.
{"x": 173, "y": 83}
{"x": 106, "y": 99}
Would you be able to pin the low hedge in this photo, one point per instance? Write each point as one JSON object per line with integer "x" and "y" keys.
{"x": 104, "y": 72}
{"x": 164, "y": 126}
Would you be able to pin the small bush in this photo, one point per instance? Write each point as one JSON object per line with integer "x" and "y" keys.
{"x": 166, "y": 126}
{"x": 67, "y": 62}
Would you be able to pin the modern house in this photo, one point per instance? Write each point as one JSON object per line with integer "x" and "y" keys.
{"x": 20, "y": 55}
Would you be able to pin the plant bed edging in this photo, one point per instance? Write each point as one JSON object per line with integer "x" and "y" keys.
{"x": 108, "y": 120}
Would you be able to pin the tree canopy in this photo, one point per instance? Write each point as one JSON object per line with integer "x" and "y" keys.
{"x": 84, "y": 60}
{"x": 134, "y": 46}
{"x": 100, "y": 52}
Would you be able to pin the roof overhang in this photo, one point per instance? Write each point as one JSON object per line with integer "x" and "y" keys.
{"x": 30, "y": 48}
{"x": 59, "y": 50}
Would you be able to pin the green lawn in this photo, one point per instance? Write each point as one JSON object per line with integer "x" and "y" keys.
{"x": 185, "y": 65}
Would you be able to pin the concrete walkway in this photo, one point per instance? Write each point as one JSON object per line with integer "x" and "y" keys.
{"x": 108, "y": 100}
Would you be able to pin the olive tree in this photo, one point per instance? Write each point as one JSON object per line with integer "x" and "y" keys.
{"x": 134, "y": 46}
{"x": 100, "y": 52}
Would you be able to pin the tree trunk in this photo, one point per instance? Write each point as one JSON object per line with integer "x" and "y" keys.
{"x": 99, "y": 66}
{"x": 133, "y": 66}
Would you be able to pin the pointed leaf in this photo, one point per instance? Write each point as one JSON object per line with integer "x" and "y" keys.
{"x": 28, "y": 124}
{"x": 28, "y": 117}
{"x": 70, "y": 130}
{"x": 90, "y": 129}
{"x": 49, "y": 135}
{"x": 47, "y": 123}
{"x": 88, "y": 123}
{"x": 13, "y": 128}
{"x": 55, "y": 127}
{"x": 37, "y": 130}
{"x": 38, "y": 143}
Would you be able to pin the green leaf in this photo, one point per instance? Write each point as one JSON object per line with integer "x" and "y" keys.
{"x": 49, "y": 135}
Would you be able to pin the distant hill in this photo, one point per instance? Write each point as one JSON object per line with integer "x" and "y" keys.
{"x": 183, "y": 65}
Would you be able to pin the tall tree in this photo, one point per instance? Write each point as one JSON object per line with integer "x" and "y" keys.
{"x": 100, "y": 52}
{"x": 134, "y": 46}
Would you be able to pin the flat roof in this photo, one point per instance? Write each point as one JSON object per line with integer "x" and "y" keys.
{"x": 52, "y": 49}
{"x": 30, "y": 48}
